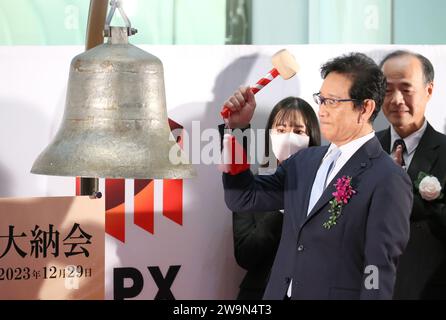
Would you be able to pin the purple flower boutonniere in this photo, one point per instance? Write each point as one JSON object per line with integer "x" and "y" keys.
{"x": 344, "y": 191}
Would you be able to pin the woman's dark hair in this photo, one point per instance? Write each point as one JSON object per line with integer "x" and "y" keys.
{"x": 368, "y": 81}
{"x": 288, "y": 110}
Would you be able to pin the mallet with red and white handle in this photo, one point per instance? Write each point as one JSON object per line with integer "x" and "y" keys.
{"x": 234, "y": 157}
{"x": 284, "y": 65}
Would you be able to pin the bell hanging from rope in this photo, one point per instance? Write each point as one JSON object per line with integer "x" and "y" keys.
{"x": 115, "y": 122}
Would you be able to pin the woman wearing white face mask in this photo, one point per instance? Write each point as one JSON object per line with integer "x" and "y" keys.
{"x": 292, "y": 126}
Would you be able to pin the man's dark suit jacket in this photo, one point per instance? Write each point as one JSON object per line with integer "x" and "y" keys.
{"x": 372, "y": 231}
{"x": 421, "y": 273}
{"x": 256, "y": 239}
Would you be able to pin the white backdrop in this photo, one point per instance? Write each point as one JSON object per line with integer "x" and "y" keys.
{"x": 198, "y": 79}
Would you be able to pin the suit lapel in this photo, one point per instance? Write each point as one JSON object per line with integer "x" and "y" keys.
{"x": 384, "y": 138}
{"x": 354, "y": 167}
{"x": 309, "y": 179}
{"x": 425, "y": 154}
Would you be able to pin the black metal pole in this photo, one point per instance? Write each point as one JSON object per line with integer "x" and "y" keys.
{"x": 95, "y": 36}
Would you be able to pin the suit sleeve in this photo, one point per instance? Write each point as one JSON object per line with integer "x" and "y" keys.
{"x": 244, "y": 192}
{"x": 387, "y": 234}
{"x": 256, "y": 237}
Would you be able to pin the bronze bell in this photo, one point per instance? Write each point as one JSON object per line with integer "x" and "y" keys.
{"x": 115, "y": 122}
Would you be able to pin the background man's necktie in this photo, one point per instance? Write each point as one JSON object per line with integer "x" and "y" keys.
{"x": 321, "y": 177}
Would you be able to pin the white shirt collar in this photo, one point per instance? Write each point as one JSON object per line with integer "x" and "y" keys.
{"x": 411, "y": 141}
{"x": 348, "y": 149}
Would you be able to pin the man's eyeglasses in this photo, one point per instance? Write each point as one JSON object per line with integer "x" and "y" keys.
{"x": 329, "y": 101}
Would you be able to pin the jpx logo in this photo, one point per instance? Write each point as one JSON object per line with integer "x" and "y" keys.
{"x": 143, "y": 199}
{"x": 123, "y": 289}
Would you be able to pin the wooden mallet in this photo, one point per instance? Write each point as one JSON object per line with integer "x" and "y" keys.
{"x": 284, "y": 65}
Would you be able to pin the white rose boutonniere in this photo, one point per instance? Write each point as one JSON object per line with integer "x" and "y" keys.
{"x": 428, "y": 186}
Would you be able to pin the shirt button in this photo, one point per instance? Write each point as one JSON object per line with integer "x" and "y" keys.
{"x": 300, "y": 248}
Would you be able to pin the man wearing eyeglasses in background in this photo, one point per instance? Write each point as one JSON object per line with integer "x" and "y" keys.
{"x": 417, "y": 147}
{"x": 343, "y": 241}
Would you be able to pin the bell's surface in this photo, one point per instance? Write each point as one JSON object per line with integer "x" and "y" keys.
{"x": 115, "y": 121}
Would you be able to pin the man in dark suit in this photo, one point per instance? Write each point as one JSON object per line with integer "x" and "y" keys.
{"x": 338, "y": 242}
{"x": 416, "y": 146}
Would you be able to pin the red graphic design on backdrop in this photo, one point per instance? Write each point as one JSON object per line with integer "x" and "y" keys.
{"x": 143, "y": 213}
